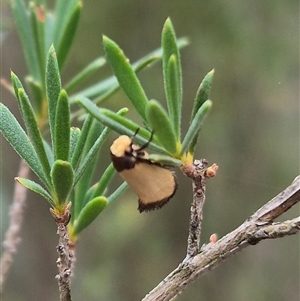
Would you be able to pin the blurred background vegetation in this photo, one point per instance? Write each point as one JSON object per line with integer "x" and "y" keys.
{"x": 252, "y": 133}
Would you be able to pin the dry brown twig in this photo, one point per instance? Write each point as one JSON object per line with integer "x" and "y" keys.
{"x": 257, "y": 227}
{"x": 12, "y": 238}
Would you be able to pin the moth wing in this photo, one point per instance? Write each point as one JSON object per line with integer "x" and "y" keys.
{"x": 154, "y": 184}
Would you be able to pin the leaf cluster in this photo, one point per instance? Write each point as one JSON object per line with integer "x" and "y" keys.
{"x": 65, "y": 162}
{"x": 166, "y": 125}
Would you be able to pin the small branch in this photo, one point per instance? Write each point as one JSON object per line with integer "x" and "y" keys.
{"x": 197, "y": 173}
{"x": 65, "y": 254}
{"x": 12, "y": 238}
{"x": 256, "y": 228}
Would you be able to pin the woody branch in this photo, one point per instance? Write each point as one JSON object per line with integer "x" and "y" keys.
{"x": 65, "y": 253}
{"x": 256, "y": 228}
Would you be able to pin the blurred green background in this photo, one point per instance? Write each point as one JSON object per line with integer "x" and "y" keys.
{"x": 252, "y": 133}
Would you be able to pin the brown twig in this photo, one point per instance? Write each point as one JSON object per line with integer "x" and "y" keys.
{"x": 197, "y": 173}
{"x": 257, "y": 227}
{"x": 12, "y": 238}
{"x": 65, "y": 254}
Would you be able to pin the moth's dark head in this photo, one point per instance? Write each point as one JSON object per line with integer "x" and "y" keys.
{"x": 125, "y": 154}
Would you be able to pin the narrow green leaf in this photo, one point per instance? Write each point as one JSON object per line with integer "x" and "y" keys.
{"x": 62, "y": 178}
{"x": 96, "y": 90}
{"x": 87, "y": 170}
{"x": 38, "y": 96}
{"x": 63, "y": 10}
{"x": 16, "y": 83}
{"x": 88, "y": 194}
{"x": 33, "y": 186}
{"x": 128, "y": 127}
{"x": 126, "y": 76}
{"x": 74, "y": 138}
{"x": 49, "y": 152}
{"x": 62, "y": 128}
{"x": 201, "y": 96}
{"x": 53, "y": 88}
{"x": 67, "y": 36}
{"x": 160, "y": 123}
{"x": 21, "y": 17}
{"x": 104, "y": 181}
{"x": 203, "y": 92}
{"x": 120, "y": 190}
{"x": 195, "y": 127}
{"x": 119, "y": 123}
{"x": 91, "y": 154}
{"x": 34, "y": 133}
{"x": 37, "y": 18}
{"x": 164, "y": 160}
{"x": 85, "y": 73}
{"x": 81, "y": 142}
{"x": 89, "y": 213}
{"x": 169, "y": 42}
{"x": 172, "y": 75}
{"x": 173, "y": 86}
{"x": 49, "y": 29}
{"x": 17, "y": 138}
{"x": 101, "y": 91}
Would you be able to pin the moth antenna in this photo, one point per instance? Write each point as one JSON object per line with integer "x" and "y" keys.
{"x": 136, "y": 132}
{"x": 147, "y": 143}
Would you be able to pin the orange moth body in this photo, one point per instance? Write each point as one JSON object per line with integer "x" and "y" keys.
{"x": 153, "y": 183}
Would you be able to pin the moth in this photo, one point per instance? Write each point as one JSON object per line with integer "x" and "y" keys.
{"x": 153, "y": 183}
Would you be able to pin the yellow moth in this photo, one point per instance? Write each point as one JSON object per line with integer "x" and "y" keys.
{"x": 153, "y": 183}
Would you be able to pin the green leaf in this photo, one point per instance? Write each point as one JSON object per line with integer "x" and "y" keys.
{"x": 164, "y": 160}
{"x": 21, "y": 17}
{"x": 62, "y": 128}
{"x": 195, "y": 127}
{"x": 88, "y": 194}
{"x": 74, "y": 138}
{"x": 89, "y": 213}
{"x": 37, "y": 18}
{"x": 126, "y": 76}
{"x": 16, "y": 83}
{"x": 173, "y": 86}
{"x": 160, "y": 123}
{"x": 17, "y": 138}
{"x": 105, "y": 88}
{"x": 91, "y": 154}
{"x": 120, "y": 190}
{"x": 172, "y": 75}
{"x": 85, "y": 73}
{"x": 87, "y": 166}
{"x": 203, "y": 92}
{"x": 49, "y": 152}
{"x": 34, "y": 133}
{"x": 53, "y": 88}
{"x": 62, "y": 178}
{"x": 119, "y": 123}
{"x": 67, "y": 36}
{"x": 201, "y": 96}
{"x": 38, "y": 95}
{"x": 96, "y": 90}
{"x": 63, "y": 10}
{"x": 81, "y": 142}
{"x": 49, "y": 29}
{"x": 33, "y": 186}
{"x": 104, "y": 181}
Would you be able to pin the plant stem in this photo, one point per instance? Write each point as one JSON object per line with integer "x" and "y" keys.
{"x": 65, "y": 254}
{"x": 12, "y": 238}
{"x": 256, "y": 228}
{"x": 197, "y": 174}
